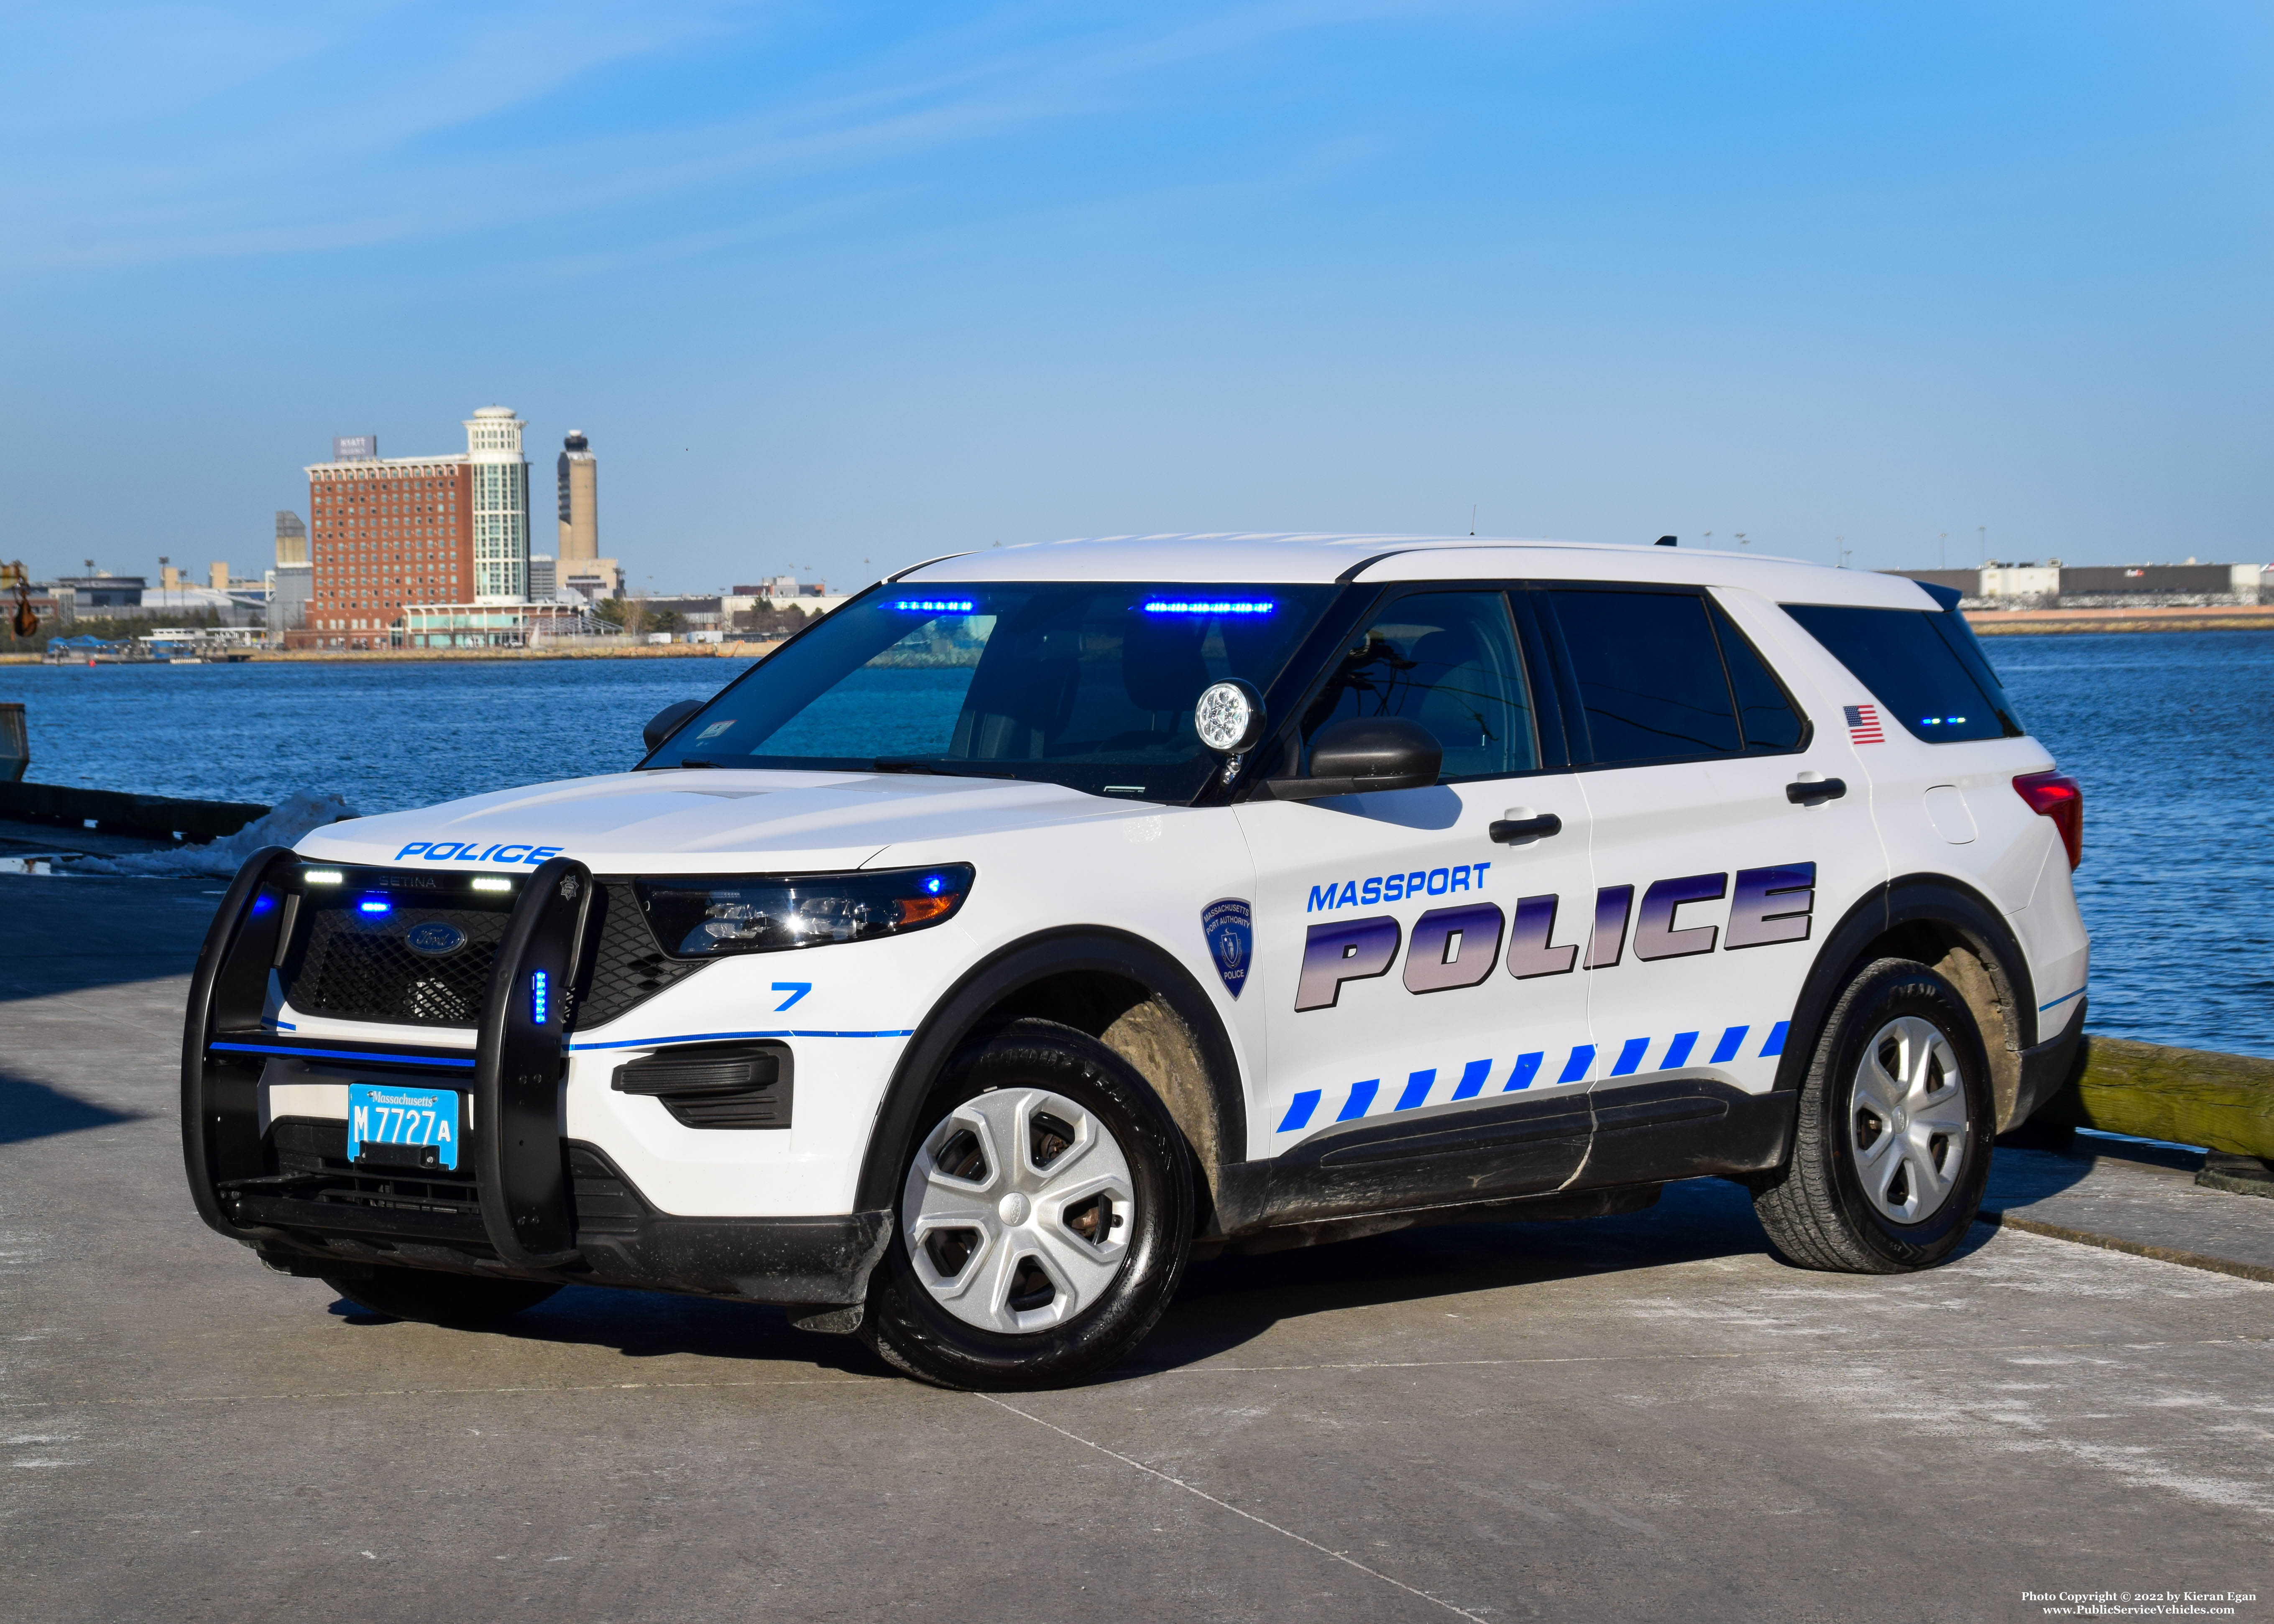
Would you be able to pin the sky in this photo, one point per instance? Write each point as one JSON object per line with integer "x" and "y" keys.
{"x": 837, "y": 288}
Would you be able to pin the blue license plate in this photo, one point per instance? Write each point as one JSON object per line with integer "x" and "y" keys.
{"x": 403, "y": 1127}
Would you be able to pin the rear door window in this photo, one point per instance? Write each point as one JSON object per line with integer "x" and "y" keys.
{"x": 1922, "y": 669}
{"x": 1666, "y": 676}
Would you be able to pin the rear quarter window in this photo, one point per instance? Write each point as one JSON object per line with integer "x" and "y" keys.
{"x": 1928, "y": 674}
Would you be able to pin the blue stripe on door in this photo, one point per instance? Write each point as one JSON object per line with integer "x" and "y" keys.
{"x": 1677, "y": 1053}
{"x": 1472, "y": 1080}
{"x": 1361, "y": 1097}
{"x": 1775, "y": 1044}
{"x": 1417, "y": 1088}
{"x": 1631, "y": 1054}
{"x": 1576, "y": 1067}
{"x": 1732, "y": 1040}
{"x": 1520, "y": 1074}
{"x": 1298, "y": 1110}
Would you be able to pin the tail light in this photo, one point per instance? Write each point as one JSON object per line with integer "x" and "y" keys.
{"x": 2060, "y": 797}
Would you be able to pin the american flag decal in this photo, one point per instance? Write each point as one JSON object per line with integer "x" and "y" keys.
{"x": 1863, "y": 724}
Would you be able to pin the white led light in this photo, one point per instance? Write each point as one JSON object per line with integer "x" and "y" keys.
{"x": 322, "y": 876}
{"x": 1229, "y": 717}
{"x": 486, "y": 883}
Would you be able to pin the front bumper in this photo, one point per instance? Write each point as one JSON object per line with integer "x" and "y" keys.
{"x": 526, "y": 1201}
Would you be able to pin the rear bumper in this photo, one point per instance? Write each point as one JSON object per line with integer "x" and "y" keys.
{"x": 2046, "y": 1068}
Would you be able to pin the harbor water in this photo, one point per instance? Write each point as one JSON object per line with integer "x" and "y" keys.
{"x": 2166, "y": 732}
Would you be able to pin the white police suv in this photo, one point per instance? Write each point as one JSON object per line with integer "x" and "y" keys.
{"x": 1045, "y": 916}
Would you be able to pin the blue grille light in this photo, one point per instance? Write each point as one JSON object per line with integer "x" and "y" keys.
{"x": 537, "y": 996}
{"x": 265, "y": 902}
{"x": 374, "y": 905}
{"x": 932, "y": 884}
{"x": 936, "y": 606}
{"x": 1219, "y": 606}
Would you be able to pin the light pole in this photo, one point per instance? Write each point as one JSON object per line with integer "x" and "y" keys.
{"x": 1942, "y": 551}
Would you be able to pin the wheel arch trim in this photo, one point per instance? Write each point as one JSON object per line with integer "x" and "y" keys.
{"x": 1029, "y": 963}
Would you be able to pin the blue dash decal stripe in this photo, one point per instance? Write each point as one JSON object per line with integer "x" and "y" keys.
{"x": 1576, "y": 1067}
{"x": 2057, "y": 1003}
{"x": 1298, "y": 1110}
{"x": 1677, "y": 1053}
{"x": 1631, "y": 1054}
{"x": 1732, "y": 1040}
{"x": 707, "y": 1037}
{"x": 1472, "y": 1080}
{"x": 1774, "y": 1043}
{"x": 1520, "y": 1074}
{"x": 1361, "y": 1097}
{"x": 1417, "y": 1088}
{"x": 344, "y": 1054}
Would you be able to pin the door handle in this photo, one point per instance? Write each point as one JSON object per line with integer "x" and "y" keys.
{"x": 1520, "y": 829}
{"x": 1811, "y": 792}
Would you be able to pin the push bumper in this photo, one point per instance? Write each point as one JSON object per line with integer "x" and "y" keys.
{"x": 528, "y": 1204}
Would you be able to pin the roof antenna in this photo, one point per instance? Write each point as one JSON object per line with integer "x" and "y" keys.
{"x": 1667, "y": 541}
{"x": 1472, "y": 518}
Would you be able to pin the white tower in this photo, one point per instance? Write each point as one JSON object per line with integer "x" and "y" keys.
{"x": 500, "y": 480}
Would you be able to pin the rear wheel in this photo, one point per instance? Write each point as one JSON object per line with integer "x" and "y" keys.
{"x": 460, "y": 1300}
{"x": 1046, "y": 1208}
{"x": 1892, "y": 1149}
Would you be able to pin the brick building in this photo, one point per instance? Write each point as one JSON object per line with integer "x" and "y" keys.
{"x": 388, "y": 532}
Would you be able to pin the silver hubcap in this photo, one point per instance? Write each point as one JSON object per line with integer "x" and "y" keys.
{"x": 1019, "y": 1210}
{"x": 1907, "y": 1120}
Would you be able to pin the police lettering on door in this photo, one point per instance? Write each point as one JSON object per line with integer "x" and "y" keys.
{"x": 1458, "y": 946}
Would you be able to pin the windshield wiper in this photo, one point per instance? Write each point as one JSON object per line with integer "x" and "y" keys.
{"x": 915, "y": 764}
{"x": 693, "y": 761}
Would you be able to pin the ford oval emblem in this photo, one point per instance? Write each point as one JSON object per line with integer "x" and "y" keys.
{"x": 434, "y": 938}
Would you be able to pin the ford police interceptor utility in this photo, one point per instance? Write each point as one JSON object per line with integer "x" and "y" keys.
{"x": 1044, "y": 917}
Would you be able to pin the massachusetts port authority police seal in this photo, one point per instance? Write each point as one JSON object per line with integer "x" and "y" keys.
{"x": 1230, "y": 929}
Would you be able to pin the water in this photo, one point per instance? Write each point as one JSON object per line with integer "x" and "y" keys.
{"x": 2166, "y": 731}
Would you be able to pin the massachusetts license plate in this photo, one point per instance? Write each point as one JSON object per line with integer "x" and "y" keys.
{"x": 403, "y": 1127}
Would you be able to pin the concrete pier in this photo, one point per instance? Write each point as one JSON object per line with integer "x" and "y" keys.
{"x": 1634, "y": 1418}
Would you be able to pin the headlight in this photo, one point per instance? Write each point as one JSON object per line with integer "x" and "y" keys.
{"x": 701, "y": 918}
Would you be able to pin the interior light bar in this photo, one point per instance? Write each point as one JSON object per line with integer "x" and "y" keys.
{"x": 936, "y": 606}
{"x": 1217, "y": 606}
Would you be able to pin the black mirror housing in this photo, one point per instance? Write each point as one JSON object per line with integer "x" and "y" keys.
{"x": 666, "y": 721}
{"x": 1363, "y": 753}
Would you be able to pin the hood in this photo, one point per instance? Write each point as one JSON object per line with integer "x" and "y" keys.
{"x": 706, "y": 820}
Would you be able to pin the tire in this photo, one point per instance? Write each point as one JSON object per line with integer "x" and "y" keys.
{"x": 462, "y": 1301}
{"x": 1046, "y": 1207}
{"x": 1889, "y": 1161}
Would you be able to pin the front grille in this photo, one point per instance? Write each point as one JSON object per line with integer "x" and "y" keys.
{"x": 629, "y": 968}
{"x": 355, "y": 966}
{"x": 357, "y": 970}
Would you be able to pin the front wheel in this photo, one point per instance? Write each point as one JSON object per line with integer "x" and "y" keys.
{"x": 1046, "y": 1208}
{"x": 1892, "y": 1151}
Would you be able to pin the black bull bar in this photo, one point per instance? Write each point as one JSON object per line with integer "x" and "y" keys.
{"x": 527, "y": 1175}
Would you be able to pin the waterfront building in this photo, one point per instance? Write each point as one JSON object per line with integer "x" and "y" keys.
{"x": 389, "y": 532}
{"x": 488, "y": 625}
{"x": 501, "y": 492}
{"x": 289, "y": 589}
{"x": 2055, "y": 585}
{"x": 291, "y": 537}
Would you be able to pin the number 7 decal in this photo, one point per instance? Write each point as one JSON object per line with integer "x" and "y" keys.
{"x": 795, "y": 990}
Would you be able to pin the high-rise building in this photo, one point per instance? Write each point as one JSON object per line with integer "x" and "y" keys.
{"x": 384, "y": 532}
{"x": 501, "y": 492}
{"x": 291, "y": 537}
{"x": 579, "y": 478}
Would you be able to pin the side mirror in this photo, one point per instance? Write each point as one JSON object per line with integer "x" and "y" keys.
{"x": 1363, "y": 753}
{"x": 666, "y": 721}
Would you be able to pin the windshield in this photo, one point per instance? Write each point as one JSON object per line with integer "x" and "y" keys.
{"x": 1083, "y": 684}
